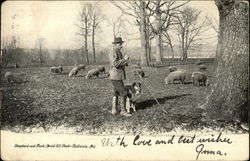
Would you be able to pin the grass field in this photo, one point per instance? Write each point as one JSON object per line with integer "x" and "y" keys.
{"x": 40, "y": 102}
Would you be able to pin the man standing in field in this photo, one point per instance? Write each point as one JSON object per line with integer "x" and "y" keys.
{"x": 117, "y": 75}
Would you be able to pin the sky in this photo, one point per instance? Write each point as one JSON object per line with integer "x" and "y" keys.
{"x": 55, "y": 21}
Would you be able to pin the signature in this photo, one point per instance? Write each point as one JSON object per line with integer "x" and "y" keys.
{"x": 201, "y": 150}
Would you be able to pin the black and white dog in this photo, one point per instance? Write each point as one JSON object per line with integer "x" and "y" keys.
{"x": 134, "y": 89}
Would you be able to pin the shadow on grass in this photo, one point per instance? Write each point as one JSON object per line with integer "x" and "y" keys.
{"x": 149, "y": 103}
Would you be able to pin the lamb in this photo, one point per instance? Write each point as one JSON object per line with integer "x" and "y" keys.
{"x": 76, "y": 69}
{"x": 172, "y": 68}
{"x": 199, "y": 77}
{"x": 178, "y": 75}
{"x": 139, "y": 71}
{"x": 92, "y": 73}
{"x": 10, "y": 77}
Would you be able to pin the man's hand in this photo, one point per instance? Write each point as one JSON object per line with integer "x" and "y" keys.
{"x": 126, "y": 57}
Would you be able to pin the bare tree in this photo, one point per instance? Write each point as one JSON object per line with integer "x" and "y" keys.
{"x": 96, "y": 18}
{"x": 118, "y": 25}
{"x": 164, "y": 12}
{"x": 136, "y": 9}
{"x": 189, "y": 29}
{"x": 228, "y": 99}
{"x": 213, "y": 23}
{"x": 84, "y": 24}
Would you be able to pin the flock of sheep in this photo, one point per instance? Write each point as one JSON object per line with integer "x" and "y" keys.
{"x": 175, "y": 75}
{"x": 198, "y": 77}
{"x": 91, "y": 73}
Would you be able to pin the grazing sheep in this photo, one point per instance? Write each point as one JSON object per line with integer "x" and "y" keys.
{"x": 101, "y": 69}
{"x": 172, "y": 68}
{"x": 73, "y": 71}
{"x": 199, "y": 77}
{"x": 139, "y": 71}
{"x": 56, "y": 69}
{"x": 178, "y": 75}
{"x": 76, "y": 69}
{"x": 10, "y": 77}
{"x": 202, "y": 67}
{"x": 92, "y": 73}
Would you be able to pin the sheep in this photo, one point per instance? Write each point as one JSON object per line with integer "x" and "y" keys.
{"x": 202, "y": 67}
{"x": 139, "y": 71}
{"x": 10, "y": 77}
{"x": 172, "y": 68}
{"x": 56, "y": 69}
{"x": 101, "y": 69}
{"x": 92, "y": 73}
{"x": 73, "y": 71}
{"x": 76, "y": 69}
{"x": 178, "y": 75}
{"x": 199, "y": 77}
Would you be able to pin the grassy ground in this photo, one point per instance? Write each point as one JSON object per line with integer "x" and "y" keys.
{"x": 56, "y": 103}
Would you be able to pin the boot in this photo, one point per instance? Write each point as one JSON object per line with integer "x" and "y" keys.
{"x": 123, "y": 108}
{"x": 114, "y": 105}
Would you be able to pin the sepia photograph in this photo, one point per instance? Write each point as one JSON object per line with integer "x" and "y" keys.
{"x": 124, "y": 80}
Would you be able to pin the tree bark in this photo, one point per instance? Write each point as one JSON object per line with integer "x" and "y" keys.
{"x": 229, "y": 94}
{"x": 144, "y": 60}
{"x": 158, "y": 34}
{"x": 158, "y": 43}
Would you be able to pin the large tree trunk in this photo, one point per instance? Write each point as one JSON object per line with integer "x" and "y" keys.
{"x": 229, "y": 94}
{"x": 183, "y": 46}
{"x": 144, "y": 60}
{"x": 158, "y": 35}
{"x": 158, "y": 47}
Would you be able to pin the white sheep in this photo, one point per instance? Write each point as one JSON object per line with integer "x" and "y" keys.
{"x": 178, "y": 75}
{"x": 92, "y": 73}
{"x": 76, "y": 69}
{"x": 73, "y": 71}
{"x": 10, "y": 77}
{"x": 198, "y": 78}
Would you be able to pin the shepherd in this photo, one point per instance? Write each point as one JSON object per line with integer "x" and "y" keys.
{"x": 118, "y": 62}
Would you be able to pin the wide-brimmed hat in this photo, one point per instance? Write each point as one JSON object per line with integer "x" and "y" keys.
{"x": 118, "y": 40}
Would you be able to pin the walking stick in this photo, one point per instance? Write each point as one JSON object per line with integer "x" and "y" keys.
{"x": 151, "y": 93}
